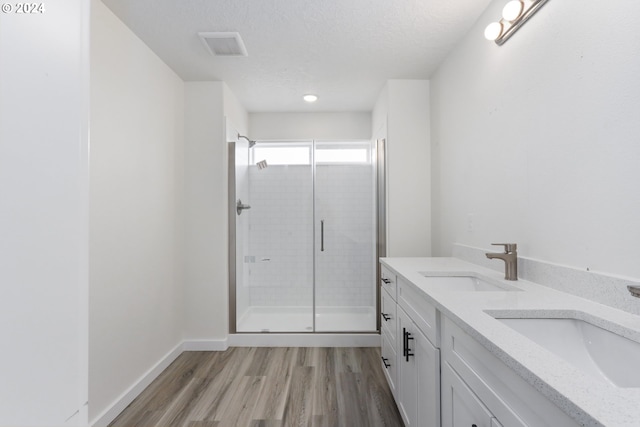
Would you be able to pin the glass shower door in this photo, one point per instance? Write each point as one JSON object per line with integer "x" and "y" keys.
{"x": 345, "y": 284}
{"x": 274, "y": 290}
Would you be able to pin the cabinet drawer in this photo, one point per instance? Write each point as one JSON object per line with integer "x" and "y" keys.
{"x": 388, "y": 315}
{"x": 388, "y": 281}
{"x": 509, "y": 398}
{"x": 421, "y": 311}
{"x": 389, "y": 362}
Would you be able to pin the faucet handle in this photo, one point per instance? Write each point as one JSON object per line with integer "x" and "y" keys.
{"x": 508, "y": 247}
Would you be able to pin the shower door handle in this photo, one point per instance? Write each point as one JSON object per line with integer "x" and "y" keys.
{"x": 322, "y": 235}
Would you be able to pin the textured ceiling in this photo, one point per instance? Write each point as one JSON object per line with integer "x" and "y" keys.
{"x": 341, "y": 50}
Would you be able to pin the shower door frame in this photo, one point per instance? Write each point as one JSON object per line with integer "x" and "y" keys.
{"x": 378, "y": 148}
{"x": 231, "y": 253}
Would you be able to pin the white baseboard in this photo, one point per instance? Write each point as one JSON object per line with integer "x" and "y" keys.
{"x": 143, "y": 382}
{"x": 304, "y": 340}
{"x": 205, "y": 345}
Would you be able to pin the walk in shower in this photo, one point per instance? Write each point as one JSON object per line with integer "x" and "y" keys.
{"x": 304, "y": 216}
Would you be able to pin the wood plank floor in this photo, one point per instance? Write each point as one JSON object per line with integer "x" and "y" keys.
{"x": 267, "y": 387}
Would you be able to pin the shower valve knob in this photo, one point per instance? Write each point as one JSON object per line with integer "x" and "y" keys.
{"x": 240, "y": 207}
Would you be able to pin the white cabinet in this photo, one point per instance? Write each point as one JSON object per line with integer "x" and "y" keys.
{"x": 418, "y": 396}
{"x": 388, "y": 315}
{"x": 390, "y": 363}
{"x": 389, "y": 328}
{"x": 388, "y": 281}
{"x": 410, "y": 358}
{"x": 478, "y": 387}
{"x": 420, "y": 310}
{"x": 475, "y": 388}
{"x": 389, "y": 331}
{"x": 460, "y": 406}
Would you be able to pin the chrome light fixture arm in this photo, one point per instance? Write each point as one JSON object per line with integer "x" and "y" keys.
{"x": 514, "y": 15}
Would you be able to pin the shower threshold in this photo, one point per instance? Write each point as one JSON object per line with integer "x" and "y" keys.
{"x": 268, "y": 319}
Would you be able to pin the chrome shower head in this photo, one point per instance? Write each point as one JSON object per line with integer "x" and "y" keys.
{"x": 251, "y": 142}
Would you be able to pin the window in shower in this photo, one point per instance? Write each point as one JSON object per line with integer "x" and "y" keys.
{"x": 281, "y": 154}
{"x": 343, "y": 154}
{"x": 308, "y": 256}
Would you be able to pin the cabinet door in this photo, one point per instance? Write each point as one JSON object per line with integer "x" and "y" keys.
{"x": 419, "y": 375}
{"x": 460, "y": 406}
{"x": 407, "y": 381}
{"x": 428, "y": 366}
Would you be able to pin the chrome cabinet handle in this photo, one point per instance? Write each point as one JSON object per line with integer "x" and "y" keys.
{"x": 322, "y": 235}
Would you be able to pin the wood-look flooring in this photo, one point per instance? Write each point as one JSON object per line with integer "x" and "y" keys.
{"x": 267, "y": 387}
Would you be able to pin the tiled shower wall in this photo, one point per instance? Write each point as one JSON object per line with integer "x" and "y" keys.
{"x": 281, "y": 245}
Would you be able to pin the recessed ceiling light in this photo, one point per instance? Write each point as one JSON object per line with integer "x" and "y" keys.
{"x": 310, "y": 98}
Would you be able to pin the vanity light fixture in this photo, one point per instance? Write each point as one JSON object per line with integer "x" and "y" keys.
{"x": 514, "y": 15}
{"x": 310, "y": 98}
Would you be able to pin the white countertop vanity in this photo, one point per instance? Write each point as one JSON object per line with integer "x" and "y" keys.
{"x": 461, "y": 346}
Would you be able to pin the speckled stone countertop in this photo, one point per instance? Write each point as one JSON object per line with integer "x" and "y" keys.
{"x": 585, "y": 398}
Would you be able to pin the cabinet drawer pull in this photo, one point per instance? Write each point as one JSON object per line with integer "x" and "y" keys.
{"x": 386, "y": 317}
{"x": 404, "y": 342}
{"x": 386, "y": 281}
{"x": 407, "y": 350}
{"x": 384, "y": 361}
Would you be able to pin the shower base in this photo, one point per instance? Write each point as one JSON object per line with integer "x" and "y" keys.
{"x": 300, "y": 319}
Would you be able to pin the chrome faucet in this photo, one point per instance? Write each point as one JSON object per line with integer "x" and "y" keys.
{"x": 510, "y": 258}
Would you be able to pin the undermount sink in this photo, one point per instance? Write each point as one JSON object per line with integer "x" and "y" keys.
{"x": 464, "y": 283}
{"x": 592, "y": 349}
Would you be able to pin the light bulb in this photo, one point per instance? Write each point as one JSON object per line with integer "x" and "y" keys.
{"x": 512, "y": 10}
{"x": 493, "y": 31}
{"x": 310, "y": 98}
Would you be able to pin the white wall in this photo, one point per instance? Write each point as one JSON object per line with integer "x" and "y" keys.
{"x": 206, "y": 278}
{"x": 237, "y": 117}
{"x": 136, "y": 270}
{"x": 536, "y": 141}
{"x": 285, "y": 126}
{"x": 401, "y": 115}
{"x": 43, "y": 215}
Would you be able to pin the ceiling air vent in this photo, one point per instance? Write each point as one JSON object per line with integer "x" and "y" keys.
{"x": 224, "y": 44}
